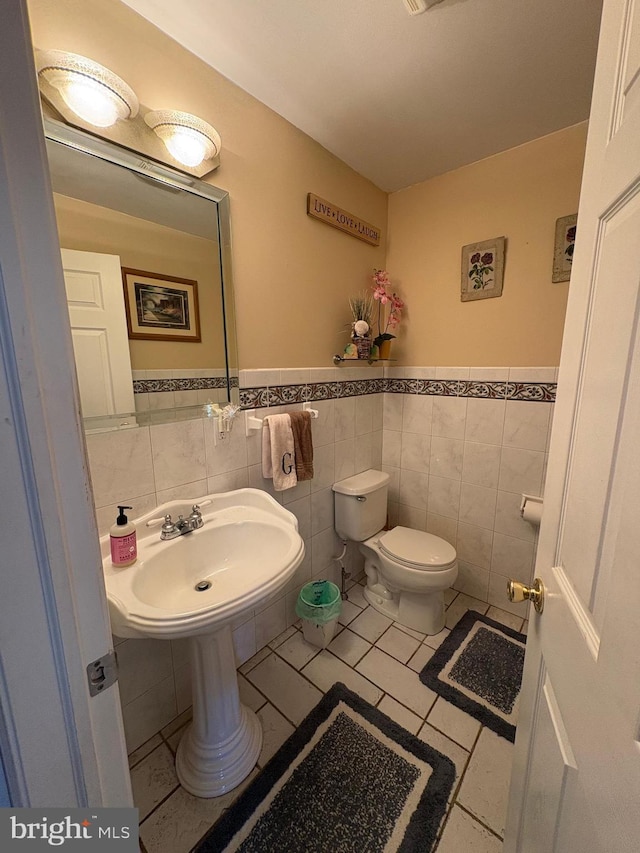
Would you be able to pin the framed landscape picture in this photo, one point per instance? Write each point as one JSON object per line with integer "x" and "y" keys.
{"x": 563, "y": 247}
{"x": 161, "y": 307}
{"x": 482, "y": 269}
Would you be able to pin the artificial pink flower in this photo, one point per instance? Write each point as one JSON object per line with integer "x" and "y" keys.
{"x": 383, "y": 294}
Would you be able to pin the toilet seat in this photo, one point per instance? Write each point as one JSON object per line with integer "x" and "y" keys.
{"x": 417, "y": 549}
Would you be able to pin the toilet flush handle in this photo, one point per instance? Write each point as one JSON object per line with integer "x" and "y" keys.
{"x": 361, "y": 498}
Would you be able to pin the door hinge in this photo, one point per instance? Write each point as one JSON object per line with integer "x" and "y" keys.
{"x": 102, "y": 673}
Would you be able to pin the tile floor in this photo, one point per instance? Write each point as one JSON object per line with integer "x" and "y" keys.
{"x": 380, "y": 661}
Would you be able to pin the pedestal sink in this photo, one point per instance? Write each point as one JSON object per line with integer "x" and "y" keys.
{"x": 194, "y": 586}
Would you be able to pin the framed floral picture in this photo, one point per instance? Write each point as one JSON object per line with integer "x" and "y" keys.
{"x": 563, "y": 248}
{"x": 482, "y": 269}
{"x": 161, "y": 307}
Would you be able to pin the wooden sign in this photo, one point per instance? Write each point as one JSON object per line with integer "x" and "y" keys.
{"x": 339, "y": 218}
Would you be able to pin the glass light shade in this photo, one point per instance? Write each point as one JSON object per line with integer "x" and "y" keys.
{"x": 90, "y": 100}
{"x": 188, "y": 146}
{"x": 189, "y": 139}
{"x": 90, "y": 90}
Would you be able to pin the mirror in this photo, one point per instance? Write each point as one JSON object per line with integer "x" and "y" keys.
{"x": 146, "y": 253}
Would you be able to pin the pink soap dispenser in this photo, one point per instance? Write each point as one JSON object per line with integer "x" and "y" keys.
{"x": 124, "y": 548}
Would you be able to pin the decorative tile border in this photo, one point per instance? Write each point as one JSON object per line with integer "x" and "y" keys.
{"x": 153, "y": 386}
{"x": 355, "y": 388}
{"x": 535, "y": 392}
{"x": 281, "y": 395}
{"x": 484, "y": 390}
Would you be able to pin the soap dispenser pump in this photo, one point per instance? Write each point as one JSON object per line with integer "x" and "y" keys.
{"x": 124, "y": 548}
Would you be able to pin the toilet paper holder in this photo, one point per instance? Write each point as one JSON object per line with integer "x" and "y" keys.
{"x": 533, "y": 512}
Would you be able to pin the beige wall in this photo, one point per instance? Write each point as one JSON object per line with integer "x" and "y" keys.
{"x": 519, "y": 193}
{"x": 292, "y": 274}
{"x": 150, "y": 247}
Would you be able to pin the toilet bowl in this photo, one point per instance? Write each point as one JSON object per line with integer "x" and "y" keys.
{"x": 409, "y": 590}
{"x": 407, "y": 570}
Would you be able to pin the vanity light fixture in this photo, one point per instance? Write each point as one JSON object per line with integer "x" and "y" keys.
{"x": 91, "y": 91}
{"x": 188, "y": 138}
{"x": 89, "y": 96}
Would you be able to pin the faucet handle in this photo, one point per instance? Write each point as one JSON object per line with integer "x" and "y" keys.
{"x": 168, "y": 526}
{"x": 161, "y": 518}
{"x": 195, "y": 519}
{"x": 201, "y": 504}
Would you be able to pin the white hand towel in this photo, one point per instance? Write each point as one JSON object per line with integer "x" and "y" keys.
{"x": 278, "y": 452}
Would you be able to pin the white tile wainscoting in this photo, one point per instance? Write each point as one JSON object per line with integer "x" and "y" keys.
{"x": 457, "y": 463}
{"x": 166, "y": 389}
{"x": 459, "y": 466}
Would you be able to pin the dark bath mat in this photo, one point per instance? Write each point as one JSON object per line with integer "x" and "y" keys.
{"x": 478, "y": 668}
{"x": 348, "y": 780}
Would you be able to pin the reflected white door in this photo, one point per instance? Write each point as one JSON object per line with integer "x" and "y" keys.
{"x": 99, "y": 331}
{"x": 576, "y": 777}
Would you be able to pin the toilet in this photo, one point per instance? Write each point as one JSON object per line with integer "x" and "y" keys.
{"x": 407, "y": 570}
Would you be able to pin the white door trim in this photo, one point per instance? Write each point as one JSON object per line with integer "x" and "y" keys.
{"x": 59, "y": 747}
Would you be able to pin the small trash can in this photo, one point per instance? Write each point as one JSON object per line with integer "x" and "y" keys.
{"x": 319, "y": 605}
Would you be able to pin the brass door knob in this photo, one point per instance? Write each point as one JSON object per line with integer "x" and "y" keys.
{"x": 519, "y": 592}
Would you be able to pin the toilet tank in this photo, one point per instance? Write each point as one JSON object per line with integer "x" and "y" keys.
{"x": 361, "y": 505}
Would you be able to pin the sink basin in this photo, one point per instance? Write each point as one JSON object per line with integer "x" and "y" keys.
{"x": 194, "y": 586}
{"x": 247, "y": 549}
{"x": 233, "y": 557}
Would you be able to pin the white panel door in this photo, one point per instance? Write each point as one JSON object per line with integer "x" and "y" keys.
{"x": 576, "y": 777}
{"x": 60, "y": 746}
{"x": 99, "y": 331}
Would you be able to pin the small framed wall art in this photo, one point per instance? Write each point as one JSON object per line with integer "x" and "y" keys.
{"x": 563, "y": 247}
{"x": 482, "y": 269}
{"x": 161, "y": 307}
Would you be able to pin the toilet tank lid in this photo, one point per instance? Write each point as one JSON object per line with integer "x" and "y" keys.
{"x": 362, "y": 484}
{"x": 418, "y": 547}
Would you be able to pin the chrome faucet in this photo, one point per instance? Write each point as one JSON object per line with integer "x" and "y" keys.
{"x": 172, "y": 529}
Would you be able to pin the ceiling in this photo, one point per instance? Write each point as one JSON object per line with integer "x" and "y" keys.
{"x": 400, "y": 98}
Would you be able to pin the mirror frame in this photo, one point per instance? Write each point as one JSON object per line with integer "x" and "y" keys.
{"x": 142, "y": 165}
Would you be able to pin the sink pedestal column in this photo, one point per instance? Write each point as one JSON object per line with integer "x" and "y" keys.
{"x": 222, "y": 744}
